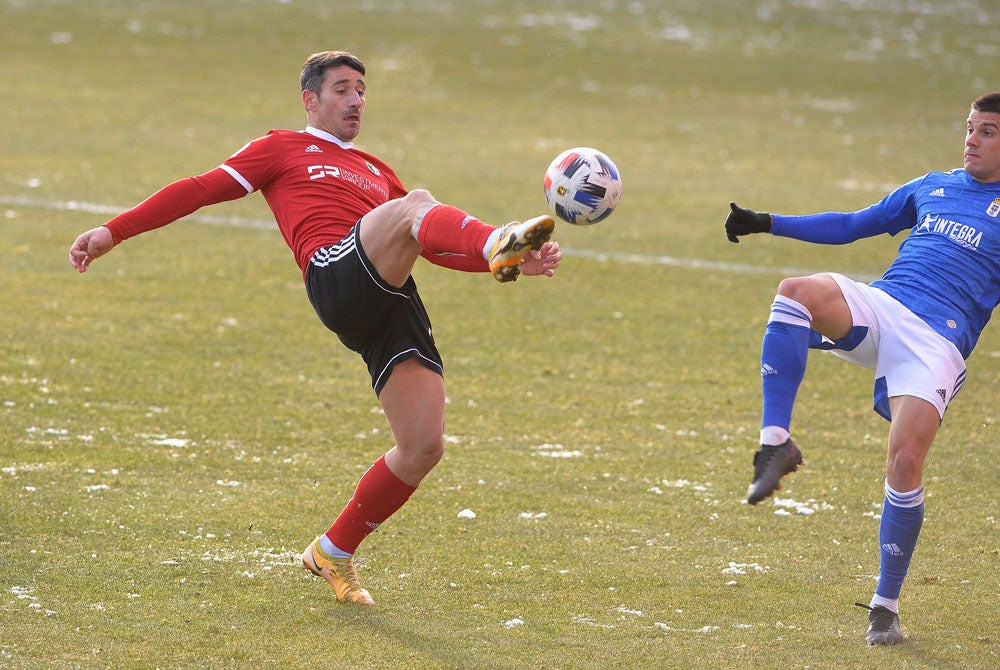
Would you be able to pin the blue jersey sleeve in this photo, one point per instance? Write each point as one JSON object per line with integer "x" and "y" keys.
{"x": 894, "y": 213}
{"x": 828, "y": 227}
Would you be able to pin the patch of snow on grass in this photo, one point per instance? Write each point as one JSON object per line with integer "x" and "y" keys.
{"x": 743, "y": 568}
{"x": 556, "y": 451}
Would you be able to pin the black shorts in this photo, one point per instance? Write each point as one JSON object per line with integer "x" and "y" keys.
{"x": 383, "y": 323}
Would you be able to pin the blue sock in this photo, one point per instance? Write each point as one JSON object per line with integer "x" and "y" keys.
{"x": 783, "y": 359}
{"x": 902, "y": 517}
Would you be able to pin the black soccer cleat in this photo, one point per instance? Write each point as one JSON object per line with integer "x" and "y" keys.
{"x": 883, "y": 626}
{"x": 770, "y": 464}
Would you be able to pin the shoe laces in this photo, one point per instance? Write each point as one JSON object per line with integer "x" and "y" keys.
{"x": 345, "y": 568}
{"x": 764, "y": 455}
{"x": 880, "y": 617}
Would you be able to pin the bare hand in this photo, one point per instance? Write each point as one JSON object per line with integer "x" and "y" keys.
{"x": 542, "y": 262}
{"x": 92, "y": 244}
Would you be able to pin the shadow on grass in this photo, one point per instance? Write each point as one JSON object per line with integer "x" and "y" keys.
{"x": 381, "y": 637}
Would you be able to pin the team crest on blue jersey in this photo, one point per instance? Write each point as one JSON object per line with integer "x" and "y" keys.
{"x": 374, "y": 170}
{"x": 994, "y": 208}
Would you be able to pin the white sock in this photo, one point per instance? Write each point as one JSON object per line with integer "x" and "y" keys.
{"x": 773, "y": 435}
{"x": 888, "y": 603}
{"x": 331, "y": 549}
{"x": 490, "y": 241}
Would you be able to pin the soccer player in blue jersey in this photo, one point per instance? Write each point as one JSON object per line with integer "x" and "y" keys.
{"x": 915, "y": 326}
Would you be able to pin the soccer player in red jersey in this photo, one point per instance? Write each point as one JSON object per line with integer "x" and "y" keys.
{"x": 356, "y": 233}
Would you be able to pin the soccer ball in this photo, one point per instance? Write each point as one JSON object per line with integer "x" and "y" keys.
{"x": 582, "y": 186}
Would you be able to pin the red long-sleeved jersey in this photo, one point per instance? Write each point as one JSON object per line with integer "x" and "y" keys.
{"x": 317, "y": 186}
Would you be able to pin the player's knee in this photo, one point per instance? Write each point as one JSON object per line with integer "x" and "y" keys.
{"x": 794, "y": 288}
{"x": 434, "y": 455}
{"x": 419, "y": 196}
{"x": 418, "y": 203}
{"x": 425, "y": 456}
{"x": 434, "y": 449}
{"x": 415, "y": 203}
{"x": 401, "y": 215}
{"x": 905, "y": 467}
{"x": 408, "y": 209}
{"x": 814, "y": 293}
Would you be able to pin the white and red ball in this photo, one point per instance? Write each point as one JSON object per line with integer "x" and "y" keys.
{"x": 582, "y": 186}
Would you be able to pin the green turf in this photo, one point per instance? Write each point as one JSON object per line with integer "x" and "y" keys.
{"x": 176, "y": 425}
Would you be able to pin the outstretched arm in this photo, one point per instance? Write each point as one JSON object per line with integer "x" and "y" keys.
{"x": 823, "y": 228}
{"x": 830, "y": 227}
{"x": 170, "y": 203}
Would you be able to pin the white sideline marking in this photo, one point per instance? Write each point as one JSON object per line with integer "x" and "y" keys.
{"x": 646, "y": 259}
{"x": 96, "y": 208}
{"x": 241, "y": 222}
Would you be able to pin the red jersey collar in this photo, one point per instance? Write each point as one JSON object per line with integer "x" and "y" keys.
{"x": 323, "y": 135}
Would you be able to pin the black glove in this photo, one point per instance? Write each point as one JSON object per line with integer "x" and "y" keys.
{"x": 745, "y": 221}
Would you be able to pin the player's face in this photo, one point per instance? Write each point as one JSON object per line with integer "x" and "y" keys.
{"x": 340, "y": 104}
{"x": 982, "y": 146}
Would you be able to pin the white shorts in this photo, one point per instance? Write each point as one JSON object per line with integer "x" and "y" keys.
{"x": 908, "y": 356}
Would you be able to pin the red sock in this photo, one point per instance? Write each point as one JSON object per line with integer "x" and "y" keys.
{"x": 449, "y": 230}
{"x": 379, "y": 494}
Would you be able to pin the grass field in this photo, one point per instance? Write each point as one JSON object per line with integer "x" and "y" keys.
{"x": 176, "y": 425}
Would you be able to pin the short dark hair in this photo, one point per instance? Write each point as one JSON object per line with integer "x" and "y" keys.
{"x": 316, "y": 65}
{"x": 987, "y": 102}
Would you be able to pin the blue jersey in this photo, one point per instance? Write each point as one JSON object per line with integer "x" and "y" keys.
{"x": 947, "y": 271}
